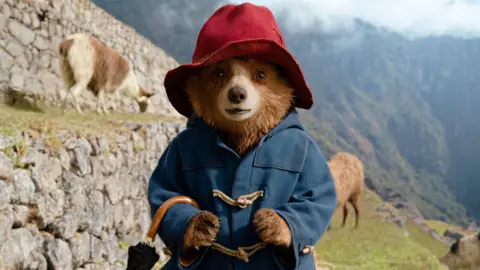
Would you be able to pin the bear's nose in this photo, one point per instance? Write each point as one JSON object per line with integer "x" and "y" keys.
{"x": 236, "y": 95}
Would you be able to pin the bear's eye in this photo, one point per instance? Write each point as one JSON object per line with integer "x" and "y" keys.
{"x": 218, "y": 72}
{"x": 260, "y": 75}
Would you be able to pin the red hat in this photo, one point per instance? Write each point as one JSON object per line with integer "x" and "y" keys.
{"x": 244, "y": 30}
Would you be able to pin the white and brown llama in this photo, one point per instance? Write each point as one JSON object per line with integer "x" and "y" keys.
{"x": 87, "y": 63}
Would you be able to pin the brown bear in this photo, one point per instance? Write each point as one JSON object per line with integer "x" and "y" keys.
{"x": 265, "y": 191}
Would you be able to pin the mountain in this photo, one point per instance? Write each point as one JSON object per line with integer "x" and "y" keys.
{"x": 407, "y": 107}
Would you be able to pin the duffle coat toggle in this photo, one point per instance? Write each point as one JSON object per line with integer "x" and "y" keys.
{"x": 242, "y": 201}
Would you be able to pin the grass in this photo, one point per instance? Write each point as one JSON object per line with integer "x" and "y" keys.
{"x": 47, "y": 121}
{"x": 158, "y": 265}
{"x": 378, "y": 245}
{"x": 441, "y": 226}
{"x": 123, "y": 245}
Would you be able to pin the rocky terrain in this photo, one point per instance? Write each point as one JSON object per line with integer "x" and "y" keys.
{"x": 78, "y": 205}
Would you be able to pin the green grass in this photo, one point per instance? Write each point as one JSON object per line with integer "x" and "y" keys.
{"x": 378, "y": 245}
{"x": 159, "y": 265}
{"x": 122, "y": 245}
{"x": 424, "y": 239}
{"x": 441, "y": 226}
{"x": 45, "y": 119}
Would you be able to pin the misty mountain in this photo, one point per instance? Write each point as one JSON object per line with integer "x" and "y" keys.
{"x": 407, "y": 107}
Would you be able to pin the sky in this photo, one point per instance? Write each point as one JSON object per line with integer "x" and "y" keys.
{"x": 416, "y": 18}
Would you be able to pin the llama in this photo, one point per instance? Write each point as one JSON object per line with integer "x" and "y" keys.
{"x": 85, "y": 62}
{"x": 464, "y": 254}
{"x": 347, "y": 171}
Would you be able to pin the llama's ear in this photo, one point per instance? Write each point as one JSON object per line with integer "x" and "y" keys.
{"x": 478, "y": 236}
{"x": 145, "y": 93}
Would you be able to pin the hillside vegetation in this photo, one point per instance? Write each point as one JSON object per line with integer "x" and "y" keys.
{"x": 44, "y": 120}
{"x": 377, "y": 244}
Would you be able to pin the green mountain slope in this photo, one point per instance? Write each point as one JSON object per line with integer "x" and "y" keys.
{"x": 406, "y": 107}
{"x": 377, "y": 244}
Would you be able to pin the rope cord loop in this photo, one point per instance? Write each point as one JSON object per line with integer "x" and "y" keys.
{"x": 242, "y": 253}
{"x": 242, "y": 201}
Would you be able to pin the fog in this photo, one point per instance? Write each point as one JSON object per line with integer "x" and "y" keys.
{"x": 410, "y": 17}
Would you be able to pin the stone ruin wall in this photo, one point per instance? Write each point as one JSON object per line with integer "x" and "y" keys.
{"x": 78, "y": 205}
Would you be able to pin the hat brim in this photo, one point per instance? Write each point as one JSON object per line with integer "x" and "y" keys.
{"x": 260, "y": 49}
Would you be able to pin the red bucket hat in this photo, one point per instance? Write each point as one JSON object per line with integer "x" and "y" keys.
{"x": 244, "y": 30}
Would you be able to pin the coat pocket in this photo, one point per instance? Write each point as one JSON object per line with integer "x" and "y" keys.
{"x": 288, "y": 157}
{"x": 278, "y": 167}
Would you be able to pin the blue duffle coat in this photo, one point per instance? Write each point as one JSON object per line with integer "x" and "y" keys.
{"x": 287, "y": 165}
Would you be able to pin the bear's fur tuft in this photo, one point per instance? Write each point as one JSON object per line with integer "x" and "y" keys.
{"x": 201, "y": 230}
{"x": 272, "y": 228}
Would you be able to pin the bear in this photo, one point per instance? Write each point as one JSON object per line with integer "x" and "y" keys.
{"x": 264, "y": 188}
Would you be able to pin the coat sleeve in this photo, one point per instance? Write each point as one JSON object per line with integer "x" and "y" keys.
{"x": 312, "y": 204}
{"x": 167, "y": 181}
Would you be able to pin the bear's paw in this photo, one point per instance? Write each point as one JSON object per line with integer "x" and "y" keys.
{"x": 201, "y": 230}
{"x": 272, "y": 228}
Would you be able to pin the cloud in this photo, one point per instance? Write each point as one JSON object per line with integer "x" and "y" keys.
{"x": 409, "y": 17}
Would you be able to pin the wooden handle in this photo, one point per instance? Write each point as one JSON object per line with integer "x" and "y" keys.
{"x": 162, "y": 210}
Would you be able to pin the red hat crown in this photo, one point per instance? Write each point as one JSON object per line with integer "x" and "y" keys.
{"x": 232, "y": 23}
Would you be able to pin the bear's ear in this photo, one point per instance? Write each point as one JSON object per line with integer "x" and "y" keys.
{"x": 454, "y": 247}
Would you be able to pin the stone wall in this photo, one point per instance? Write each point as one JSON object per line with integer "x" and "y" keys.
{"x": 77, "y": 203}
{"x": 30, "y": 31}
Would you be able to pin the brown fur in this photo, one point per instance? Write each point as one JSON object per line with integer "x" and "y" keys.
{"x": 272, "y": 228}
{"x": 145, "y": 93}
{"x": 110, "y": 69}
{"x": 201, "y": 230}
{"x": 276, "y": 95}
{"x": 348, "y": 173}
{"x": 464, "y": 254}
{"x": 65, "y": 46}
